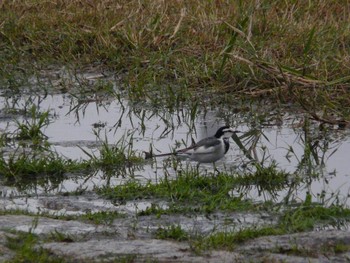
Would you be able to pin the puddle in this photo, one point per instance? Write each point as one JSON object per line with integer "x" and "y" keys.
{"x": 76, "y": 122}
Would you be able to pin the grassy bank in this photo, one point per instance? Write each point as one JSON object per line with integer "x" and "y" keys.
{"x": 169, "y": 53}
{"x": 251, "y": 48}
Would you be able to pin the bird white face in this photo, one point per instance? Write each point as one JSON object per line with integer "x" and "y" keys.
{"x": 228, "y": 132}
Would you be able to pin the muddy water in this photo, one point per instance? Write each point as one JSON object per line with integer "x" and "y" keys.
{"x": 79, "y": 124}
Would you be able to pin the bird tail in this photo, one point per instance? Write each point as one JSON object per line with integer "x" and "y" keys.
{"x": 149, "y": 155}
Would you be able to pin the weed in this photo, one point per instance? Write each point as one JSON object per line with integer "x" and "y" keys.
{"x": 26, "y": 249}
{"x": 26, "y": 169}
{"x": 166, "y": 52}
{"x": 42, "y": 166}
{"x": 298, "y": 250}
{"x": 305, "y": 218}
{"x": 174, "y": 232}
{"x": 102, "y": 217}
{"x": 205, "y": 48}
{"x": 340, "y": 248}
{"x": 154, "y": 209}
{"x": 266, "y": 179}
{"x": 32, "y": 129}
{"x": 114, "y": 159}
{"x": 4, "y": 139}
{"x": 291, "y": 221}
{"x": 57, "y": 236}
{"x": 130, "y": 258}
{"x": 202, "y": 193}
{"x": 228, "y": 240}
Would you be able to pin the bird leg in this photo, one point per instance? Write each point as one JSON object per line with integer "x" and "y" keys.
{"x": 198, "y": 167}
{"x": 216, "y": 169}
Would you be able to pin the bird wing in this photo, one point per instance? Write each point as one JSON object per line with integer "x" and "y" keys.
{"x": 203, "y": 146}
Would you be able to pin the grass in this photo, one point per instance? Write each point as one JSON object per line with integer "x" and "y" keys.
{"x": 268, "y": 179}
{"x": 32, "y": 162}
{"x": 114, "y": 159}
{"x": 102, "y": 217}
{"x": 290, "y": 221}
{"x": 192, "y": 191}
{"x": 305, "y": 218}
{"x": 188, "y": 192}
{"x": 25, "y": 169}
{"x": 155, "y": 209}
{"x": 292, "y": 51}
{"x": 173, "y": 53}
{"x": 25, "y": 247}
{"x": 29, "y": 124}
{"x": 229, "y": 240}
{"x": 45, "y": 167}
{"x": 173, "y": 232}
{"x": 341, "y": 248}
{"x": 32, "y": 129}
{"x": 57, "y": 236}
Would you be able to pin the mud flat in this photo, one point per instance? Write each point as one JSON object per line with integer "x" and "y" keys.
{"x": 122, "y": 241}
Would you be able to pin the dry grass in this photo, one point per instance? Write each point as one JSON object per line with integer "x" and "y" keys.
{"x": 255, "y": 48}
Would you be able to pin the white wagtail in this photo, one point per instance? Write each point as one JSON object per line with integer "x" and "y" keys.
{"x": 207, "y": 150}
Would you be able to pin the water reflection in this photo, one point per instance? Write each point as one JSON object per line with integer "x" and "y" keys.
{"x": 314, "y": 156}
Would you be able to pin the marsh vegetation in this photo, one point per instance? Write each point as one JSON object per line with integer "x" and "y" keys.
{"x": 88, "y": 86}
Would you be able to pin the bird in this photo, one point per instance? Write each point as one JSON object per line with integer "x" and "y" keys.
{"x": 207, "y": 150}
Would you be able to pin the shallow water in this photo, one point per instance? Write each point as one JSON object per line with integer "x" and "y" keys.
{"x": 84, "y": 123}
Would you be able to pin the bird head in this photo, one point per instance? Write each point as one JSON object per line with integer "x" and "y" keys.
{"x": 225, "y": 132}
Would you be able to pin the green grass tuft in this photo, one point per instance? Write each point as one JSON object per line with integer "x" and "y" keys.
{"x": 229, "y": 240}
{"x": 174, "y": 232}
{"x": 26, "y": 249}
{"x": 25, "y": 170}
{"x": 188, "y": 190}
{"x": 102, "y": 217}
